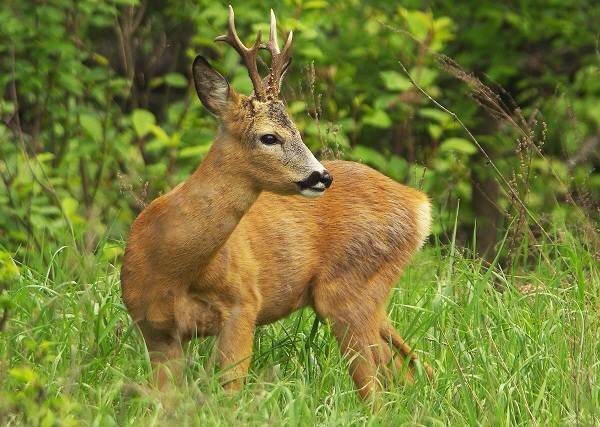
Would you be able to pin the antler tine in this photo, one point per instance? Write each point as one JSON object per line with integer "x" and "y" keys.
{"x": 273, "y": 45}
{"x": 248, "y": 54}
{"x": 279, "y": 59}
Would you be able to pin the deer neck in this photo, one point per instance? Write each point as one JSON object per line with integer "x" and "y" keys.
{"x": 218, "y": 195}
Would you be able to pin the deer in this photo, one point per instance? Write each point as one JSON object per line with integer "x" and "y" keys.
{"x": 261, "y": 229}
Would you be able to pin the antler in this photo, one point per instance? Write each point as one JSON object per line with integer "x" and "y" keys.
{"x": 279, "y": 59}
{"x": 248, "y": 54}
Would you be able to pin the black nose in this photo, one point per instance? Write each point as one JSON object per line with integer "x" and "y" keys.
{"x": 315, "y": 178}
{"x": 326, "y": 179}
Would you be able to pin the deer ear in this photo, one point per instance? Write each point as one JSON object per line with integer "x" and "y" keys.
{"x": 212, "y": 88}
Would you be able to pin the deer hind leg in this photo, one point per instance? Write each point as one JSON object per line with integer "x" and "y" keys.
{"x": 166, "y": 355}
{"x": 357, "y": 312}
{"x": 391, "y": 337}
{"x": 355, "y": 323}
{"x": 358, "y": 342}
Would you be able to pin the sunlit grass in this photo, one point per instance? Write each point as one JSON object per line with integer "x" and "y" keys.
{"x": 508, "y": 347}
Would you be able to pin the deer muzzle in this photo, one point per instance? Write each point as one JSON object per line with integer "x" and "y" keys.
{"x": 315, "y": 184}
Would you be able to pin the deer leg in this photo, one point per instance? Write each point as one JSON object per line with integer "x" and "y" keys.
{"x": 390, "y": 336}
{"x": 360, "y": 346}
{"x": 235, "y": 347}
{"x": 166, "y": 355}
{"x": 355, "y": 324}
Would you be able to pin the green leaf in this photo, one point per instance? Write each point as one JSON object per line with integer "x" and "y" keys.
{"x": 8, "y": 269}
{"x": 459, "y": 145}
{"x": 311, "y": 51}
{"x": 197, "y": 151}
{"x": 176, "y": 80}
{"x": 23, "y": 374}
{"x": 160, "y": 133}
{"x": 435, "y": 114}
{"x": 424, "y": 77}
{"x": 393, "y": 80}
{"x": 419, "y": 23}
{"x": 110, "y": 251}
{"x": 378, "y": 118}
{"x": 396, "y": 167}
{"x": 315, "y": 4}
{"x": 435, "y": 131}
{"x": 71, "y": 83}
{"x": 369, "y": 155}
{"x": 70, "y": 207}
{"x": 143, "y": 121}
{"x": 92, "y": 126}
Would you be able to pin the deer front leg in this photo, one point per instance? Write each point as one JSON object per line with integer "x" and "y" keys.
{"x": 166, "y": 355}
{"x": 235, "y": 347}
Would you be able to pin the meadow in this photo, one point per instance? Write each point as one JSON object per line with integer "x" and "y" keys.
{"x": 516, "y": 346}
{"x": 491, "y": 109}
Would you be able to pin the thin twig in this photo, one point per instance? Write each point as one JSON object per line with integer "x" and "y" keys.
{"x": 511, "y": 190}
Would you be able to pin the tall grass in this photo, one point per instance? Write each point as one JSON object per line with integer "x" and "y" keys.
{"x": 510, "y": 345}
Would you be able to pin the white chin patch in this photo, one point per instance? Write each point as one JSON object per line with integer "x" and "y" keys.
{"x": 309, "y": 192}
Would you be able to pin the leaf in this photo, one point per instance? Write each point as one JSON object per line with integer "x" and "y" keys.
{"x": 110, "y": 251}
{"x": 396, "y": 167}
{"x": 70, "y": 207}
{"x": 312, "y": 51}
{"x": 92, "y": 126}
{"x": 99, "y": 59}
{"x": 8, "y": 269}
{"x": 176, "y": 80}
{"x": 393, "y": 80}
{"x": 143, "y": 121}
{"x": 45, "y": 157}
{"x": 242, "y": 83}
{"x": 435, "y": 114}
{"x": 160, "y": 133}
{"x": 71, "y": 83}
{"x": 369, "y": 155}
{"x": 23, "y": 374}
{"x": 378, "y": 118}
{"x": 315, "y": 4}
{"x": 297, "y": 107}
{"x": 197, "y": 151}
{"x": 459, "y": 145}
{"x": 435, "y": 131}
{"x": 424, "y": 77}
{"x": 419, "y": 23}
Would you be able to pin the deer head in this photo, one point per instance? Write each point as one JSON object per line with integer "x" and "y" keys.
{"x": 256, "y": 131}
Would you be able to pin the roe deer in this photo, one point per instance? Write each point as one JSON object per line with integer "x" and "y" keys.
{"x": 236, "y": 245}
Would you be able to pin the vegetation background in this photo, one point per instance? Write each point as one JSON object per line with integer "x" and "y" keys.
{"x": 493, "y": 108}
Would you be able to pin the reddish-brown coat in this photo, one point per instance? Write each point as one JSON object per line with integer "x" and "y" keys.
{"x": 234, "y": 246}
{"x": 190, "y": 269}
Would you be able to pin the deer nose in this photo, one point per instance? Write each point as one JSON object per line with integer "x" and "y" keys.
{"x": 318, "y": 181}
{"x": 326, "y": 179}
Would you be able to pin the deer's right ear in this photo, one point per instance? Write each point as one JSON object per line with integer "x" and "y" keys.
{"x": 212, "y": 88}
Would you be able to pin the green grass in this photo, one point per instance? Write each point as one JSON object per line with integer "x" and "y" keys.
{"x": 508, "y": 347}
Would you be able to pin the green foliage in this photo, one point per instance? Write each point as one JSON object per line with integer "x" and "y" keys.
{"x": 100, "y": 116}
{"x": 508, "y": 347}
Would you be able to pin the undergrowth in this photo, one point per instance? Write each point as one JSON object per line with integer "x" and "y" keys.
{"x": 510, "y": 344}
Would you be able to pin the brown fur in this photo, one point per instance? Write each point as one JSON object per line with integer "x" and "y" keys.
{"x": 340, "y": 254}
{"x": 234, "y": 246}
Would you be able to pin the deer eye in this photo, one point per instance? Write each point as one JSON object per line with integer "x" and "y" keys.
{"x": 269, "y": 139}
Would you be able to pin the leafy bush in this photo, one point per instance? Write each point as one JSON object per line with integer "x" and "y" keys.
{"x": 99, "y": 115}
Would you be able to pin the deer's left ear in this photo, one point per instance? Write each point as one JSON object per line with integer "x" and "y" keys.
{"x": 212, "y": 88}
